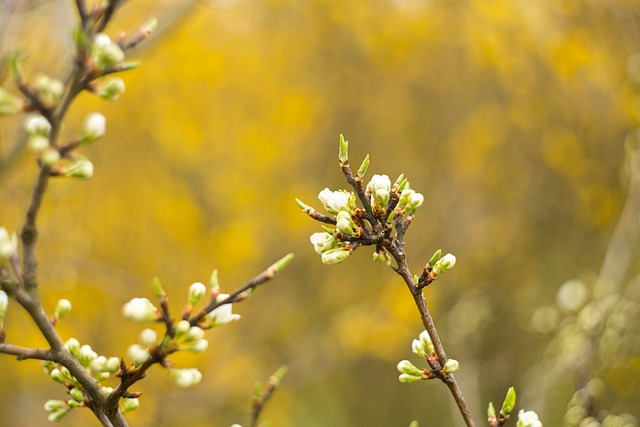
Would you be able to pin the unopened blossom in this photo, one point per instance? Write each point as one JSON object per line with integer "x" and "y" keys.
{"x": 140, "y": 310}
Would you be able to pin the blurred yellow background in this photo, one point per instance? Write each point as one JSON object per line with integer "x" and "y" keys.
{"x": 509, "y": 116}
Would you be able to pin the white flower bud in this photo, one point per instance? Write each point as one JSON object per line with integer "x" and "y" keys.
{"x": 418, "y": 348}
{"x": 528, "y": 419}
{"x": 38, "y": 125}
{"x": 185, "y": 377}
{"x": 105, "y": 53}
{"x": 113, "y": 365}
{"x": 444, "y": 264}
{"x": 50, "y": 156}
{"x": 111, "y": 89}
{"x": 140, "y": 310}
{"x": 425, "y": 339}
{"x": 182, "y": 327}
{"x": 86, "y": 355}
{"x": 73, "y": 346}
{"x": 38, "y": 143}
{"x": 336, "y": 201}
{"x": 82, "y": 168}
{"x": 62, "y": 308}
{"x": 94, "y": 128}
{"x": 50, "y": 89}
{"x": 53, "y": 405}
{"x": 345, "y": 223}
{"x": 222, "y": 314}
{"x": 195, "y": 333}
{"x": 451, "y": 366}
{"x": 322, "y": 242}
{"x": 128, "y": 405}
{"x": 335, "y": 256}
{"x": 58, "y": 415}
{"x": 138, "y": 354}
{"x": 408, "y": 368}
{"x": 197, "y": 346}
{"x": 8, "y": 245}
{"x": 57, "y": 376}
{"x": 196, "y": 292}
{"x": 76, "y": 394}
{"x": 408, "y": 378}
{"x": 148, "y": 337}
{"x": 380, "y": 188}
{"x": 4, "y": 303}
{"x": 99, "y": 364}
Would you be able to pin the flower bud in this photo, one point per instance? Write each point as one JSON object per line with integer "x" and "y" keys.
{"x": 111, "y": 89}
{"x": 408, "y": 368}
{"x": 185, "y": 377}
{"x": 113, "y": 365}
{"x": 528, "y": 419}
{"x": 214, "y": 284}
{"x": 335, "y": 256}
{"x": 77, "y": 394}
{"x": 58, "y": 415}
{"x": 50, "y": 90}
{"x": 62, "y": 308}
{"x": 382, "y": 257}
{"x": 38, "y": 125}
{"x": 138, "y": 354}
{"x": 195, "y": 333}
{"x": 380, "y": 188}
{"x": 140, "y": 310}
{"x": 50, "y": 156}
{"x": 94, "y": 128}
{"x": 182, "y": 327}
{"x": 105, "y": 53}
{"x": 408, "y": 378}
{"x": 418, "y": 348}
{"x": 38, "y": 143}
{"x": 426, "y": 342}
{"x": 336, "y": 201}
{"x": 8, "y": 245}
{"x": 128, "y": 405}
{"x": 196, "y": 292}
{"x": 99, "y": 364}
{"x": 221, "y": 315}
{"x": 444, "y": 264}
{"x": 73, "y": 346}
{"x": 57, "y": 376}
{"x": 322, "y": 242}
{"x": 148, "y": 337}
{"x": 52, "y": 405}
{"x": 451, "y": 366}
{"x": 4, "y": 303}
{"x": 86, "y": 355}
{"x": 197, "y": 346}
{"x": 345, "y": 223}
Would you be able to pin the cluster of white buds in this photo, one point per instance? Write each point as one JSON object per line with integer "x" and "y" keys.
{"x": 105, "y": 53}
{"x": 385, "y": 204}
{"x": 8, "y": 245}
{"x": 423, "y": 347}
{"x": 49, "y": 89}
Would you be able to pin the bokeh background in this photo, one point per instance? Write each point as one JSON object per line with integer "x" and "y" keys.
{"x": 513, "y": 118}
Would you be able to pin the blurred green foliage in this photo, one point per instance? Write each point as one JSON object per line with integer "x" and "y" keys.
{"x": 510, "y": 117}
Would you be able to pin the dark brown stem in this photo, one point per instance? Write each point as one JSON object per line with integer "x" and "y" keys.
{"x": 403, "y": 270}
